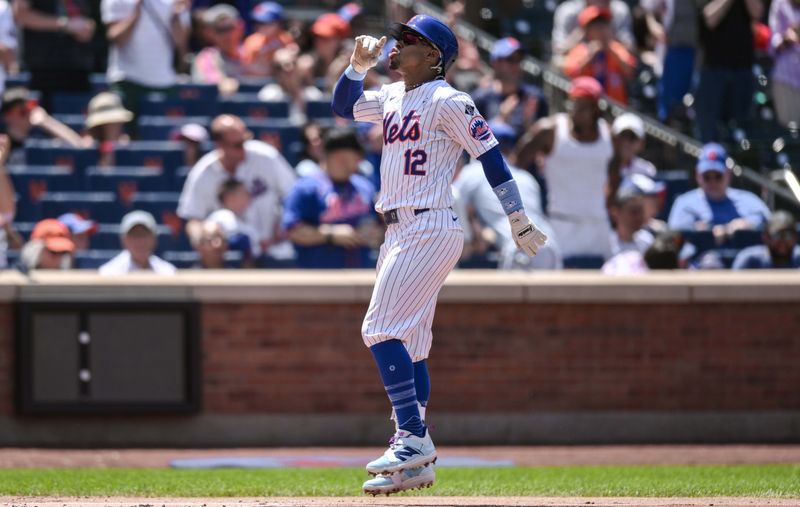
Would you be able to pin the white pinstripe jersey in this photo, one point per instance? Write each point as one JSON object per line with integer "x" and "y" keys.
{"x": 424, "y": 132}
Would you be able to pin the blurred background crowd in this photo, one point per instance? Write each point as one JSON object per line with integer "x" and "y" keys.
{"x": 164, "y": 134}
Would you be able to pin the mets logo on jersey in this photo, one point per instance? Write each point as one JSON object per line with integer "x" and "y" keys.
{"x": 479, "y": 129}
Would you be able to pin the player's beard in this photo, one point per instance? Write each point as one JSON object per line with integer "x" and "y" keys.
{"x": 393, "y": 63}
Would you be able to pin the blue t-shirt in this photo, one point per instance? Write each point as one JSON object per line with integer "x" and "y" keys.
{"x": 694, "y": 206}
{"x": 758, "y": 257}
{"x": 316, "y": 200}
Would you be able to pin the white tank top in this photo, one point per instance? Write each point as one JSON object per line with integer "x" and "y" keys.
{"x": 576, "y": 173}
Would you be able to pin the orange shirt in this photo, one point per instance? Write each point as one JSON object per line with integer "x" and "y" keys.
{"x": 603, "y": 67}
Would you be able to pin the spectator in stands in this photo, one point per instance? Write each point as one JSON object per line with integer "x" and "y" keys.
{"x": 784, "y": 21}
{"x": 674, "y": 24}
{"x": 105, "y": 124}
{"x": 507, "y": 99}
{"x": 627, "y": 213}
{"x": 573, "y": 150}
{"x": 211, "y": 246}
{"x": 329, "y": 216}
{"x": 599, "y": 55}
{"x": 483, "y": 217}
{"x": 193, "y": 137}
{"x": 138, "y": 235}
{"x": 8, "y": 43}
{"x": 313, "y": 149}
{"x": 289, "y": 86}
{"x": 653, "y": 193}
{"x": 265, "y": 173}
{"x": 21, "y": 114}
{"x": 725, "y": 89}
{"x": 81, "y": 229}
{"x": 235, "y": 200}
{"x": 57, "y": 40}
{"x": 664, "y": 253}
{"x": 50, "y": 246}
{"x": 628, "y": 138}
{"x": 7, "y": 204}
{"x": 221, "y": 63}
{"x": 328, "y": 32}
{"x": 715, "y": 206}
{"x": 567, "y": 32}
{"x": 780, "y": 249}
{"x": 144, "y": 36}
{"x": 259, "y": 48}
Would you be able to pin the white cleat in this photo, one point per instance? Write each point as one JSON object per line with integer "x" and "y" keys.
{"x": 404, "y": 480}
{"x": 405, "y": 451}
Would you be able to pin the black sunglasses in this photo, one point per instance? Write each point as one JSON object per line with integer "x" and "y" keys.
{"x": 411, "y": 39}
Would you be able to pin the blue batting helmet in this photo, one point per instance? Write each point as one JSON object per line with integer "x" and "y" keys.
{"x": 434, "y": 31}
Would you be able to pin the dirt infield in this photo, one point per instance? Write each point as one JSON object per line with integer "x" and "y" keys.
{"x": 523, "y": 456}
{"x": 420, "y": 501}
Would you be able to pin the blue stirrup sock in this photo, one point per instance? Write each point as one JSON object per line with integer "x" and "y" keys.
{"x": 397, "y": 373}
{"x": 422, "y": 381}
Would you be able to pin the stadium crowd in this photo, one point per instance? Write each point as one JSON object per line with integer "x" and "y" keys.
{"x": 205, "y": 138}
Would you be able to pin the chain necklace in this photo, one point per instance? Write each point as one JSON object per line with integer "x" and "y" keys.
{"x": 414, "y": 87}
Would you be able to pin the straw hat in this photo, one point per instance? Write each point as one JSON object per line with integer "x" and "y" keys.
{"x": 107, "y": 108}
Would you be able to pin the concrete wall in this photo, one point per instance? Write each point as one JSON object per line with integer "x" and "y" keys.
{"x": 541, "y": 358}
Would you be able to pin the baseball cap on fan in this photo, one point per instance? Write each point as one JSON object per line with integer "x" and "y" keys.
{"x": 55, "y": 236}
{"x": 504, "y": 48}
{"x": 712, "y": 158}
{"x": 135, "y": 218}
{"x": 628, "y": 121}
{"x": 267, "y": 12}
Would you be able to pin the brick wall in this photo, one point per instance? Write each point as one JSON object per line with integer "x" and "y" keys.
{"x": 266, "y": 358}
{"x": 262, "y": 358}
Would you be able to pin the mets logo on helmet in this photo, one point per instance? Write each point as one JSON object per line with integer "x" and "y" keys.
{"x": 479, "y": 129}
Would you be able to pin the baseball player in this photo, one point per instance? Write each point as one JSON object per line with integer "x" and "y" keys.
{"x": 426, "y": 125}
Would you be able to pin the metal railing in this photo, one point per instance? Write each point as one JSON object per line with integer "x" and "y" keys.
{"x": 689, "y": 146}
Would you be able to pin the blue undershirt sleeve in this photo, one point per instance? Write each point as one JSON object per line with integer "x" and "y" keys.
{"x": 347, "y": 91}
{"x": 499, "y": 176}
{"x": 494, "y": 167}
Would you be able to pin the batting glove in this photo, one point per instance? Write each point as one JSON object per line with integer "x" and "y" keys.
{"x": 527, "y": 237}
{"x": 366, "y": 53}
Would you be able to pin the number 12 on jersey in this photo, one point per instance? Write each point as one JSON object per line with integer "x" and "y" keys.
{"x": 414, "y": 159}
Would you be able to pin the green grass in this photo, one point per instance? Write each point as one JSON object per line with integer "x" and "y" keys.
{"x": 744, "y": 480}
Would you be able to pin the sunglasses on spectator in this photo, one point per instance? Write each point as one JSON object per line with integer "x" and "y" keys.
{"x": 224, "y": 28}
{"x": 787, "y": 235}
{"x": 712, "y": 176}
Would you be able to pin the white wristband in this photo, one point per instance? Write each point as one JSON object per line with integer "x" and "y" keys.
{"x": 353, "y": 74}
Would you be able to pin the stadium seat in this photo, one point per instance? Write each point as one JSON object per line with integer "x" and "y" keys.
{"x": 745, "y": 238}
{"x": 99, "y": 82}
{"x": 167, "y": 155}
{"x": 677, "y": 182}
{"x": 99, "y": 206}
{"x": 161, "y": 128}
{"x": 253, "y": 85}
{"x": 248, "y": 106}
{"x": 48, "y": 152}
{"x": 280, "y": 133}
{"x": 16, "y": 80}
{"x": 197, "y": 92}
{"x": 701, "y": 240}
{"x": 319, "y": 109}
{"x": 189, "y": 259}
{"x": 70, "y": 103}
{"x": 179, "y": 177}
{"x": 127, "y": 180}
{"x": 93, "y": 259}
{"x": 161, "y": 104}
{"x": 583, "y": 262}
{"x": 32, "y": 182}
